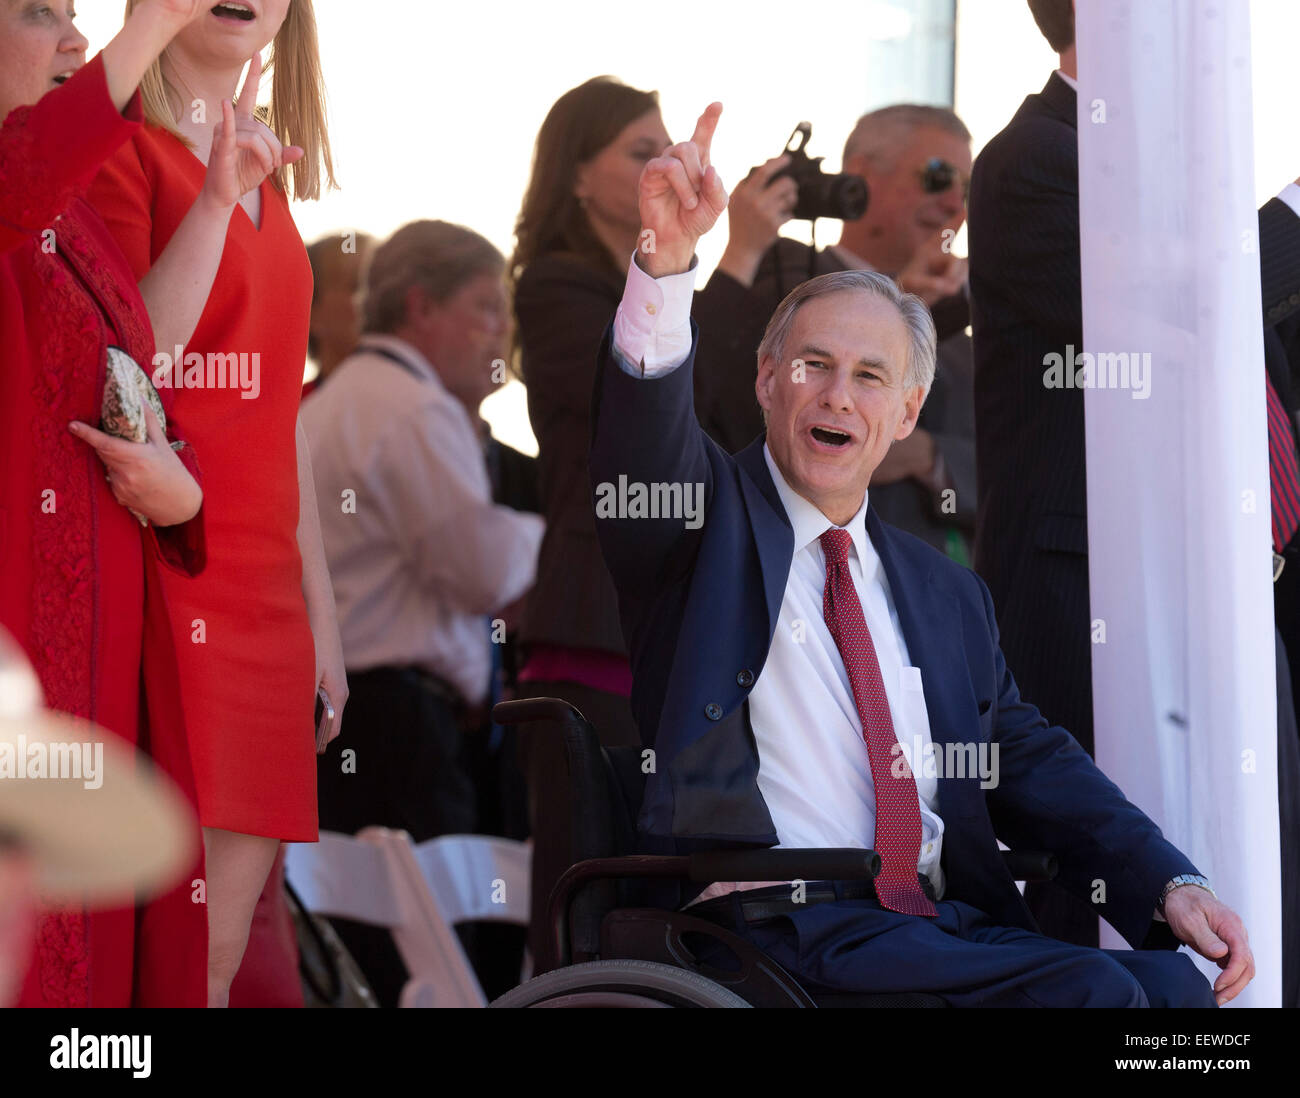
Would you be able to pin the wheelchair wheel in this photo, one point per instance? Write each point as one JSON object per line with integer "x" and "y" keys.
{"x": 620, "y": 983}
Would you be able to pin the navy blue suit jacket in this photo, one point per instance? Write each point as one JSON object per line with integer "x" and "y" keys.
{"x": 699, "y": 608}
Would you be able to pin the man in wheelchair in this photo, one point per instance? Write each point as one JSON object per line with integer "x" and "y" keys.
{"x": 796, "y": 661}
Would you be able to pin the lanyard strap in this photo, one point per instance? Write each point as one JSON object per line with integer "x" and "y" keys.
{"x": 384, "y": 352}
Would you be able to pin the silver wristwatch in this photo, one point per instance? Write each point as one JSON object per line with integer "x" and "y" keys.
{"x": 1185, "y": 879}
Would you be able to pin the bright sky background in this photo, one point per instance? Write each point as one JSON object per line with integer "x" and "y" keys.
{"x": 435, "y": 107}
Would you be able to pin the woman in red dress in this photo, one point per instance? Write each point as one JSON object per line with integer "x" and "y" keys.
{"x": 78, "y": 578}
{"x": 256, "y": 633}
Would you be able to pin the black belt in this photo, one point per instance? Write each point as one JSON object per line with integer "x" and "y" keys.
{"x": 757, "y": 904}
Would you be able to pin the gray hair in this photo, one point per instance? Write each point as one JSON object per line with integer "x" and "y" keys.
{"x": 877, "y": 135}
{"x": 920, "y": 325}
{"x": 435, "y": 255}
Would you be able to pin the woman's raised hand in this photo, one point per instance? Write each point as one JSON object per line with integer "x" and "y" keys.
{"x": 244, "y": 150}
{"x": 151, "y": 25}
{"x": 181, "y": 11}
{"x": 681, "y": 198}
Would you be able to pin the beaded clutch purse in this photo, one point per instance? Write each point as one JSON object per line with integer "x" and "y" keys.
{"x": 126, "y": 392}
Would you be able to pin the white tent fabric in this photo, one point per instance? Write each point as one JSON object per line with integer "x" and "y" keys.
{"x": 1178, "y": 488}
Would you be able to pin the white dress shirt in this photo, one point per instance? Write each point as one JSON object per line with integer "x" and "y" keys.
{"x": 814, "y": 772}
{"x": 418, "y": 553}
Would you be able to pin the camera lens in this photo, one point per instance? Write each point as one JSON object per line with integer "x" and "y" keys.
{"x": 849, "y": 197}
{"x": 839, "y": 196}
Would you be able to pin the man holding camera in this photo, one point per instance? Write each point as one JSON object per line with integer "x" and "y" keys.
{"x": 915, "y": 162}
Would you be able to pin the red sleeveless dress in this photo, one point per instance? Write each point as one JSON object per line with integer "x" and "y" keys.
{"x": 247, "y": 659}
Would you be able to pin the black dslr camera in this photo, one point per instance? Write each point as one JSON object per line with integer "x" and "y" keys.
{"x": 821, "y": 194}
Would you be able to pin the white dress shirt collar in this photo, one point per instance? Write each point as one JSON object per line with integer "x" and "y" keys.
{"x": 807, "y": 519}
{"x": 1068, "y": 79}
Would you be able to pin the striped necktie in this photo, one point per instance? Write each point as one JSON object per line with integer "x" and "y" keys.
{"x": 1283, "y": 471}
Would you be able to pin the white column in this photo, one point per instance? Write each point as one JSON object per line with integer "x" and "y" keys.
{"x": 1178, "y": 486}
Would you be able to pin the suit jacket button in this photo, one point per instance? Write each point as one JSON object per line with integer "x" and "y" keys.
{"x": 713, "y": 711}
{"x": 745, "y": 678}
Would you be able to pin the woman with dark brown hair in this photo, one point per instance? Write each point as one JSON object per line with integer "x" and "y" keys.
{"x": 576, "y": 233}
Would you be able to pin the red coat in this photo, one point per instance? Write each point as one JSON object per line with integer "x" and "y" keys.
{"x": 79, "y": 579}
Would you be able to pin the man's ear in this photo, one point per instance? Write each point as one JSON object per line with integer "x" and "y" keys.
{"x": 765, "y": 381}
{"x": 913, "y": 398}
{"x": 418, "y": 305}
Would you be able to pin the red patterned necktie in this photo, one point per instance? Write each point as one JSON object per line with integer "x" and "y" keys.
{"x": 1284, "y": 471}
{"x": 898, "y": 812}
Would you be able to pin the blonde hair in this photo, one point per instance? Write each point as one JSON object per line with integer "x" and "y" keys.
{"x": 297, "y": 112}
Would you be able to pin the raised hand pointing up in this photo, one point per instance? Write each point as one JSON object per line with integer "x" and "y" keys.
{"x": 244, "y": 150}
{"x": 243, "y": 153}
{"x": 681, "y": 198}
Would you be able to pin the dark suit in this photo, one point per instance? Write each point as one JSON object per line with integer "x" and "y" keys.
{"x": 699, "y": 608}
{"x": 1031, "y": 538}
{"x": 729, "y": 411}
{"x": 562, "y": 304}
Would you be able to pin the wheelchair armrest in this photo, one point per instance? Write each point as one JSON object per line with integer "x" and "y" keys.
{"x": 847, "y": 863}
{"x": 1030, "y": 865}
{"x": 834, "y": 864}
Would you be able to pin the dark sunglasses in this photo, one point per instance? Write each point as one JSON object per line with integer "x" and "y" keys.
{"x": 938, "y": 175}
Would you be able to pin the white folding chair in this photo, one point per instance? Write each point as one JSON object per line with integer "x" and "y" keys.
{"x": 419, "y": 893}
{"x": 478, "y": 878}
{"x": 368, "y": 879}
{"x": 348, "y": 878}
{"x": 456, "y": 879}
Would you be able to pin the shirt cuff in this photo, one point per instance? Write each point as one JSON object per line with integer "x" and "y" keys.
{"x": 1290, "y": 194}
{"x": 652, "y": 328}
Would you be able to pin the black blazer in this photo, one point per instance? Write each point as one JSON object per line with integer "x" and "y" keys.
{"x": 562, "y": 305}
{"x": 1031, "y": 535}
{"x": 700, "y": 608}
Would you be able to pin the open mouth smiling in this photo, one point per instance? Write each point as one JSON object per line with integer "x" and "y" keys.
{"x": 830, "y": 437}
{"x": 234, "y": 11}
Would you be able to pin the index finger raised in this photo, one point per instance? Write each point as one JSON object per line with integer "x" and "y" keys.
{"x": 248, "y": 94}
{"x": 704, "y": 128}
